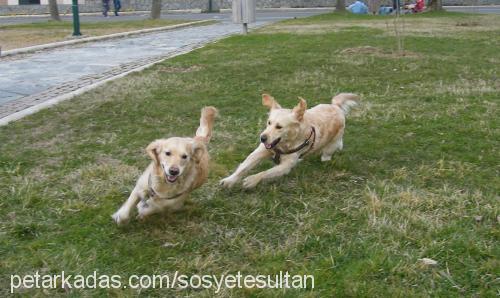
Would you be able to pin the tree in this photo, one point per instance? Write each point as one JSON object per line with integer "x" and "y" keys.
{"x": 156, "y": 9}
{"x": 340, "y": 6}
{"x": 54, "y": 12}
{"x": 436, "y": 5}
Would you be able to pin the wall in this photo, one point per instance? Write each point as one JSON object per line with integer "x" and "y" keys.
{"x": 130, "y": 5}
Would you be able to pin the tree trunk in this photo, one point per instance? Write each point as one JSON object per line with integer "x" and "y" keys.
{"x": 54, "y": 12}
{"x": 436, "y": 5}
{"x": 340, "y": 6}
{"x": 156, "y": 9}
{"x": 373, "y": 6}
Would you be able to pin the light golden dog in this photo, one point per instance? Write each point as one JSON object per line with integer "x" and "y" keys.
{"x": 179, "y": 166}
{"x": 292, "y": 133}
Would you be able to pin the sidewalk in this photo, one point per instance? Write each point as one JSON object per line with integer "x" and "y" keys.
{"x": 34, "y": 78}
{"x": 30, "y": 80}
{"x": 97, "y": 38}
{"x": 190, "y": 15}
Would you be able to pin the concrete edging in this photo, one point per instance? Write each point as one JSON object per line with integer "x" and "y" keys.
{"x": 33, "y": 109}
{"x": 167, "y": 11}
{"x": 97, "y": 38}
{"x": 51, "y": 102}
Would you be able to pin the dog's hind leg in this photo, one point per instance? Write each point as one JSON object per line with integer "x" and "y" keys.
{"x": 204, "y": 131}
{"x": 328, "y": 151}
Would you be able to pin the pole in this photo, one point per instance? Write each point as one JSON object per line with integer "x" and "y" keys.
{"x": 245, "y": 28}
{"x": 76, "y": 19}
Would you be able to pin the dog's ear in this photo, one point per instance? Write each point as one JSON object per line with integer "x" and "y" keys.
{"x": 153, "y": 151}
{"x": 197, "y": 149}
{"x": 270, "y": 102}
{"x": 300, "y": 109}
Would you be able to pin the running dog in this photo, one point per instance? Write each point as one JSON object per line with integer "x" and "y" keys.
{"x": 179, "y": 166}
{"x": 292, "y": 133}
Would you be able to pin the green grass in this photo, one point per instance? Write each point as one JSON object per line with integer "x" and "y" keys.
{"x": 420, "y": 164}
{"x": 29, "y": 34}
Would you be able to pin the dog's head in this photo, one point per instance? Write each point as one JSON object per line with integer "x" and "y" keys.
{"x": 175, "y": 155}
{"x": 283, "y": 125}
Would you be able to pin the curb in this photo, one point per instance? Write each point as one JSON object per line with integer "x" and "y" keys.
{"x": 51, "y": 102}
{"x": 33, "y": 109}
{"x": 97, "y": 38}
{"x": 177, "y": 11}
{"x": 472, "y": 6}
{"x": 167, "y": 12}
{"x": 222, "y": 10}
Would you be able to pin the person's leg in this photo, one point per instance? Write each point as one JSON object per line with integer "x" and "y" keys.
{"x": 105, "y": 7}
{"x": 117, "y": 4}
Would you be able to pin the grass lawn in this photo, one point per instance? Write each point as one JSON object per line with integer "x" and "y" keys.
{"x": 418, "y": 176}
{"x": 25, "y": 35}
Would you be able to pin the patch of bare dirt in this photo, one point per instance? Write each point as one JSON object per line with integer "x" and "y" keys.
{"x": 468, "y": 24}
{"x": 374, "y": 51}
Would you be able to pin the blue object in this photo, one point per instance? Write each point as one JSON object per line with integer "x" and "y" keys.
{"x": 385, "y": 10}
{"x": 118, "y": 5}
{"x": 358, "y": 7}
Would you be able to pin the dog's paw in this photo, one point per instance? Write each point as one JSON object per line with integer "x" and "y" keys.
{"x": 144, "y": 209}
{"x": 120, "y": 218}
{"x": 228, "y": 182}
{"x": 326, "y": 157}
{"x": 251, "y": 181}
{"x": 141, "y": 217}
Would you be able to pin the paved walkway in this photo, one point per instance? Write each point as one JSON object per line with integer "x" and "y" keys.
{"x": 485, "y": 9}
{"x": 30, "y": 79}
{"x": 263, "y": 15}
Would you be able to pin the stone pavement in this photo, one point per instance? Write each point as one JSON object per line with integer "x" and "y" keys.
{"x": 29, "y": 79}
{"x": 262, "y": 14}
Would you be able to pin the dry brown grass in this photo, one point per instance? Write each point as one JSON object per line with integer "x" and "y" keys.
{"x": 417, "y": 178}
{"x": 412, "y": 26}
{"x": 377, "y": 52}
{"x": 26, "y": 35}
{"x": 175, "y": 69}
{"x": 13, "y": 39}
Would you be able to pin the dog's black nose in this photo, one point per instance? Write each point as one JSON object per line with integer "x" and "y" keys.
{"x": 263, "y": 138}
{"x": 174, "y": 171}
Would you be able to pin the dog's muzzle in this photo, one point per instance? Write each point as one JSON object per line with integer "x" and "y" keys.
{"x": 172, "y": 174}
{"x": 273, "y": 144}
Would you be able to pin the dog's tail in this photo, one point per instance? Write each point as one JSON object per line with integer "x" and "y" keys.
{"x": 345, "y": 101}
{"x": 204, "y": 132}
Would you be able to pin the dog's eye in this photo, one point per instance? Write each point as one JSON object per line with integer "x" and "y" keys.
{"x": 167, "y": 153}
{"x": 279, "y": 127}
{"x": 268, "y": 122}
{"x": 184, "y": 156}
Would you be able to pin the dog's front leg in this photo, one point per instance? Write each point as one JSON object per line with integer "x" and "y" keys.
{"x": 151, "y": 206}
{"x": 259, "y": 154}
{"x": 286, "y": 165}
{"x": 122, "y": 216}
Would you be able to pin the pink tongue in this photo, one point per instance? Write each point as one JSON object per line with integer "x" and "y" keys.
{"x": 268, "y": 146}
{"x": 171, "y": 178}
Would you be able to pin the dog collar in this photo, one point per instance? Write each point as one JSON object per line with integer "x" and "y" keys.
{"x": 307, "y": 142}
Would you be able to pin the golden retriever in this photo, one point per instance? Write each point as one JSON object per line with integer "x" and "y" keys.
{"x": 292, "y": 133}
{"x": 179, "y": 166}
